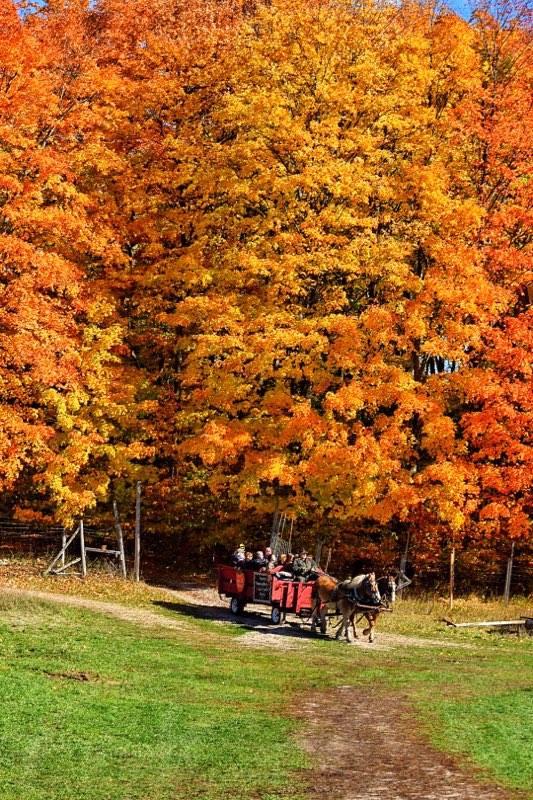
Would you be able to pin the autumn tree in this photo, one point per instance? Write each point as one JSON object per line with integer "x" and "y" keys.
{"x": 269, "y": 255}
{"x": 60, "y": 402}
{"x": 159, "y": 63}
{"x": 334, "y": 264}
{"x": 497, "y": 419}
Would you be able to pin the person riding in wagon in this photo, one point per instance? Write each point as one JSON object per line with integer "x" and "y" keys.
{"x": 304, "y": 566}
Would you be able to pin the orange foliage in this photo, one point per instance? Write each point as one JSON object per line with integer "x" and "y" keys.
{"x": 269, "y": 252}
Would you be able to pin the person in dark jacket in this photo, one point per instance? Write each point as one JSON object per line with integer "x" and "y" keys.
{"x": 303, "y": 566}
{"x": 259, "y": 561}
{"x": 289, "y": 563}
{"x": 237, "y": 558}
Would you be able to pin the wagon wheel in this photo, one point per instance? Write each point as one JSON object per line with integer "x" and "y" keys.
{"x": 275, "y": 615}
{"x": 236, "y": 606}
{"x": 324, "y": 625}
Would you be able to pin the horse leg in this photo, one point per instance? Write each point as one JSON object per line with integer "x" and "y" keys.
{"x": 344, "y": 627}
{"x": 314, "y": 614}
{"x": 343, "y": 623}
{"x": 353, "y": 620}
{"x": 370, "y": 630}
{"x": 324, "y": 618}
{"x": 346, "y": 619}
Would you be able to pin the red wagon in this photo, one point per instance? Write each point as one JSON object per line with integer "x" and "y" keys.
{"x": 245, "y": 587}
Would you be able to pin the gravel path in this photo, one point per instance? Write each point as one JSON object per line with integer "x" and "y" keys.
{"x": 291, "y": 635}
{"x": 138, "y": 616}
{"x": 202, "y": 602}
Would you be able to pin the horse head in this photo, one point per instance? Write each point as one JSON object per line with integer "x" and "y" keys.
{"x": 387, "y": 588}
{"x": 370, "y": 588}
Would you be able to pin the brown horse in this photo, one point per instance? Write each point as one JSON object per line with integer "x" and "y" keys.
{"x": 324, "y": 595}
{"x": 345, "y": 597}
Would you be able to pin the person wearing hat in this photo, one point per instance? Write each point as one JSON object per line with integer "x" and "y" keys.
{"x": 303, "y": 565}
{"x": 237, "y": 558}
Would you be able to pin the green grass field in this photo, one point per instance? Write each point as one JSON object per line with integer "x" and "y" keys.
{"x": 98, "y": 709}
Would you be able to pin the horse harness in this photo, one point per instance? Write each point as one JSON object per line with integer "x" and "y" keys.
{"x": 352, "y": 595}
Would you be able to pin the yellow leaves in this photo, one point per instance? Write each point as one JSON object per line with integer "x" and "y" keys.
{"x": 62, "y": 407}
{"x": 99, "y": 311}
{"x": 448, "y": 488}
{"x": 219, "y": 442}
{"x": 276, "y": 468}
{"x": 439, "y": 438}
{"x": 416, "y": 323}
{"x": 304, "y": 426}
{"x": 196, "y": 310}
{"x": 346, "y": 401}
{"x": 464, "y": 218}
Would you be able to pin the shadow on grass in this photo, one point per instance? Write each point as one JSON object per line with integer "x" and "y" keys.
{"x": 247, "y": 621}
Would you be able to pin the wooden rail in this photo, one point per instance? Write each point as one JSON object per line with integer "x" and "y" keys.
{"x": 485, "y": 624}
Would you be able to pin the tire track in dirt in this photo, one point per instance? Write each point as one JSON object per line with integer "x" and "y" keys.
{"x": 138, "y": 616}
{"x": 365, "y": 746}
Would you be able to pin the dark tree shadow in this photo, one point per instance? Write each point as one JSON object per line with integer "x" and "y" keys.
{"x": 247, "y": 621}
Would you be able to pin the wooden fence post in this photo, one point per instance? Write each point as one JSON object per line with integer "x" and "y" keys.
{"x": 82, "y": 551}
{"x": 403, "y": 561}
{"x": 290, "y": 535}
{"x": 452, "y": 574}
{"x": 120, "y": 537}
{"x": 508, "y": 576}
{"x": 275, "y": 533}
{"x": 137, "y": 558}
{"x": 61, "y": 553}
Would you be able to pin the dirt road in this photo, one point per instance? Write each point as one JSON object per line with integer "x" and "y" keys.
{"x": 366, "y": 747}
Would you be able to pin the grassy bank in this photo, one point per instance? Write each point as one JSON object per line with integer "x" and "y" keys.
{"x": 97, "y": 708}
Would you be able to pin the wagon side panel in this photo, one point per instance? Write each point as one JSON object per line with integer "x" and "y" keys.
{"x": 304, "y": 598}
{"x": 231, "y": 581}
